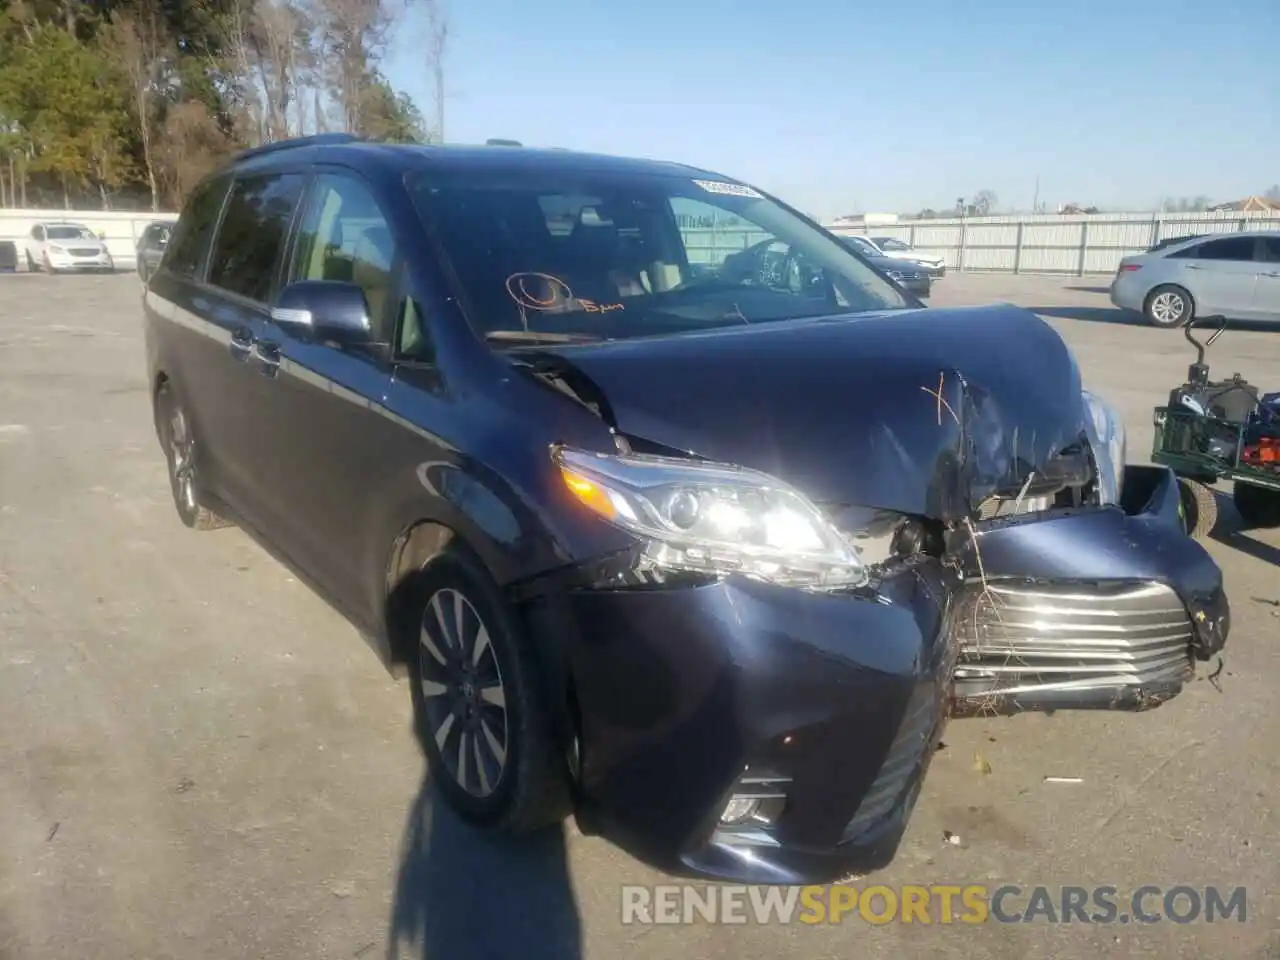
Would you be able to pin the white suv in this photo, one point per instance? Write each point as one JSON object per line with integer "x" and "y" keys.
{"x": 57, "y": 246}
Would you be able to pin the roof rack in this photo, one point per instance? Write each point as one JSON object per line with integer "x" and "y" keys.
{"x": 315, "y": 140}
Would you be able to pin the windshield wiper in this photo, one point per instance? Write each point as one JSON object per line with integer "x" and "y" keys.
{"x": 538, "y": 336}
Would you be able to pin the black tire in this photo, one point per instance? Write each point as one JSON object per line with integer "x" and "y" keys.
{"x": 32, "y": 266}
{"x": 1168, "y": 305}
{"x": 479, "y": 708}
{"x": 1199, "y": 508}
{"x": 179, "y": 445}
{"x": 1257, "y": 506}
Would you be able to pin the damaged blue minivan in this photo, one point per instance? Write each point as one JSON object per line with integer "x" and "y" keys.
{"x": 679, "y": 515}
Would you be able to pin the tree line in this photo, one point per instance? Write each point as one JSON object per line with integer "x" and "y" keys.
{"x": 131, "y": 102}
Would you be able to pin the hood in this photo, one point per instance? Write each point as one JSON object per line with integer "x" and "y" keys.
{"x": 892, "y": 263}
{"x": 919, "y": 411}
{"x": 918, "y": 257}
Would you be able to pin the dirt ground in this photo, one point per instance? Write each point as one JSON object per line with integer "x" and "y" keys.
{"x": 199, "y": 759}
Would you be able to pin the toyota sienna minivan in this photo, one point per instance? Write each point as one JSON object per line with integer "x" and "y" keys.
{"x": 679, "y": 515}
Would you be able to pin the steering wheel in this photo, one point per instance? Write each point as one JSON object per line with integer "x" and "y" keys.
{"x": 761, "y": 265}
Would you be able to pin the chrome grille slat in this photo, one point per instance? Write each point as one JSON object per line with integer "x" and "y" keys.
{"x": 1045, "y": 638}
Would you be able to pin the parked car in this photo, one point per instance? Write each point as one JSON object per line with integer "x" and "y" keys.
{"x": 909, "y": 276}
{"x": 8, "y": 256}
{"x": 63, "y": 247}
{"x": 1236, "y": 275}
{"x": 151, "y": 246}
{"x": 901, "y": 250}
{"x": 706, "y": 558}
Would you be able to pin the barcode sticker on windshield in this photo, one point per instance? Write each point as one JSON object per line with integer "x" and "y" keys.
{"x": 729, "y": 189}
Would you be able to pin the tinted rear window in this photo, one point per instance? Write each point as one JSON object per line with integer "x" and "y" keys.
{"x": 253, "y": 232}
{"x": 195, "y": 229}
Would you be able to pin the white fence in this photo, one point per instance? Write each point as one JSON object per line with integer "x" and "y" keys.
{"x": 1074, "y": 245}
{"x": 121, "y": 230}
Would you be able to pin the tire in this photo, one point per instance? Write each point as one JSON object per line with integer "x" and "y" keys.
{"x": 179, "y": 445}
{"x": 479, "y": 707}
{"x": 1198, "y": 507}
{"x": 1168, "y": 305}
{"x": 1257, "y": 506}
{"x": 32, "y": 267}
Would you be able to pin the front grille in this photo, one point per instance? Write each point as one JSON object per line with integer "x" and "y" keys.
{"x": 1024, "y": 639}
{"x": 84, "y": 252}
{"x": 915, "y": 737}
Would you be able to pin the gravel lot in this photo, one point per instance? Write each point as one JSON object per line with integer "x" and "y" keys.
{"x": 199, "y": 759}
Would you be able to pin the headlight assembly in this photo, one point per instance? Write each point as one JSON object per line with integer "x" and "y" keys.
{"x": 713, "y": 518}
{"x": 1106, "y": 432}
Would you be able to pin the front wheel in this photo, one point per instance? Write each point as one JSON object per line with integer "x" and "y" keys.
{"x": 1198, "y": 507}
{"x": 479, "y": 710}
{"x": 1168, "y": 306}
{"x": 1257, "y": 506}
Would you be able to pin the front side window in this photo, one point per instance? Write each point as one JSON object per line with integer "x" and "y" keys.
{"x": 344, "y": 236}
{"x": 185, "y": 256}
{"x": 592, "y": 256}
{"x": 253, "y": 232}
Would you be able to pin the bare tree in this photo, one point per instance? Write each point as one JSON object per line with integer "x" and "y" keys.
{"x": 141, "y": 43}
{"x": 437, "y": 47}
{"x": 355, "y": 34}
{"x": 984, "y": 201}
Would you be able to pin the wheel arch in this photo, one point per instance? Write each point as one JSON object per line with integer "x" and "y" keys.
{"x": 413, "y": 553}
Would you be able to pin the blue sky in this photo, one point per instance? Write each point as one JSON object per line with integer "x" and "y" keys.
{"x": 845, "y": 105}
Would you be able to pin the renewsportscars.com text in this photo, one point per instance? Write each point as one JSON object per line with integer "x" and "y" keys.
{"x": 934, "y": 904}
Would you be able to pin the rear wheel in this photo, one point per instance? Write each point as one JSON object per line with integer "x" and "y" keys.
{"x": 1258, "y": 506}
{"x": 1198, "y": 507}
{"x": 180, "y": 451}
{"x": 1168, "y": 306}
{"x": 478, "y": 706}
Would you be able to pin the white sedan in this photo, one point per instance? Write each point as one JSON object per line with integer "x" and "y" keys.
{"x": 901, "y": 250}
{"x": 57, "y": 246}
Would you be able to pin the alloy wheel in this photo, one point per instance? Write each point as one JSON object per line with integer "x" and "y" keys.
{"x": 1168, "y": 307}
{"x": 182, "y": 459}
{"x": 463, "y": 693}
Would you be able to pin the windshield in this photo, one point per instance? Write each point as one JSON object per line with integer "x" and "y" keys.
{"x": 860, "y": 245}
{"x": 69, "y": 233}
{"x": 588, "y": 256}
{"x": 888, "y": 243}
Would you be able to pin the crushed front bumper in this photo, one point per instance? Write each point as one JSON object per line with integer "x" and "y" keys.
{"x": 1093, "y": 608}
{"x": 827, "y": 708}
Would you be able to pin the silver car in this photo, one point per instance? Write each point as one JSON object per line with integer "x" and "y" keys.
{"x": 1236, "y": 275}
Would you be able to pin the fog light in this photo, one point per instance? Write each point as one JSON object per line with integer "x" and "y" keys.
{"x": 739, "y": 809}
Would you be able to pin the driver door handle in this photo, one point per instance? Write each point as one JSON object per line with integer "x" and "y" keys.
{"x": 268, "y": 356}
{"x": 241, "y": 343}
{"x": 1193, "y": 266}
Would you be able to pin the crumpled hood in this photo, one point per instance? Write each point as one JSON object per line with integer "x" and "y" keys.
{"x": 921, "y": 411}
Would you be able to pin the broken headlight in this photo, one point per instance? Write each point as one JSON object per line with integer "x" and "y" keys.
{"x": 713, "y": 518}
{"x": 1106, "y": 433}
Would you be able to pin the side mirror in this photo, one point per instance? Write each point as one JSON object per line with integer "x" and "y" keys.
{"x": 329, "y": 311}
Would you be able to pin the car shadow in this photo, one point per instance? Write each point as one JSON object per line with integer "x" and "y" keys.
{"x": 462, "y": 892}
{"x": 1089, "y": 289}
{"x": 1231, "y": 531}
